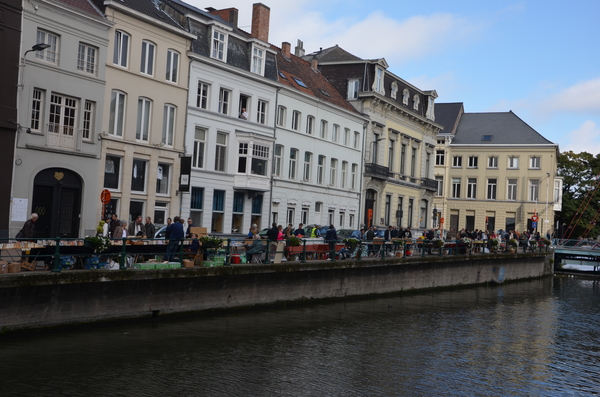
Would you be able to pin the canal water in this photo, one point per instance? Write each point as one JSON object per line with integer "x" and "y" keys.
{"x": 533, "y": 338}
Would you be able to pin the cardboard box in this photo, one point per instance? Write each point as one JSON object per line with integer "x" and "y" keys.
{"x": 188, "y": 263}
{"x": 14, "y": 267}
{"x": 3, "y": 267}
{"x": 200, "y": 231}
{"x": 28, "y": 265}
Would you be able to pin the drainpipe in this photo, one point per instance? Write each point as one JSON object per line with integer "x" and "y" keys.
{"x": 273, "y": 156}
{"x": 362, "y": 171}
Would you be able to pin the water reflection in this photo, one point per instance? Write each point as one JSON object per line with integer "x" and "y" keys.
{"x": 529, "y": 338}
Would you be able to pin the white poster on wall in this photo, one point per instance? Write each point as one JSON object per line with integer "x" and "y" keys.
{"x": 19, "y": 210}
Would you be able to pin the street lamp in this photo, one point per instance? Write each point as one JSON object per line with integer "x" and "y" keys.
{"x": 36, "y": 47}
{"x": 435, "y": 214}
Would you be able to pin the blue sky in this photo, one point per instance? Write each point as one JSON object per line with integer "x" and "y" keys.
{"x": 540, "y": 59}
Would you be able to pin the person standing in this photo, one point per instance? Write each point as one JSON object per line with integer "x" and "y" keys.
{"x": 331, "y": 236}
{"x": 273, "y": 232}
{"x": 149, "y": 228}
{"x": 168, "y": 230}
{"x": 114, "y": 223}
{"x": 29, "y": 226}
{"x": 387, "y": 235}
{"x": 136, "y": 228}
{"x": 176, "y": 234}
{"x": 188, "y": 232}
{"x": 300, "y": 231}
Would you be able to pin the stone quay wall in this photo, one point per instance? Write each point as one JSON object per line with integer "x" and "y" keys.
{"x": 43, "y": 299}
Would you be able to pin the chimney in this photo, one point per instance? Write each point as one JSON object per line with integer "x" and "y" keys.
{"x": 285, "y": 49}
{"x": 228, "y": 14}
{"x": 314, "y": 63}
{"x": 260, "y": 21}
{"x": 299, "y": 50}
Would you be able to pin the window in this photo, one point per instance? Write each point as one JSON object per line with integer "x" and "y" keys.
{"x": 172, "y": 73}
{"x": 147, "y": 62}
{"x": 257, "y": 203}
{"x": 37, "y": 101}
{"x": 534, "y": 162}
{"x": 471, "y": 188}
{"x": 402, "y": 158}
{"x": 281, "y": 113}
{"x": 440, "y": 186}
{"x": 138, "y": 175}
{"x": 472, "y": 161}
{"x": 224, "y": 98}
{"x": 112, "y": 171}
{"x": 388, "y": 208}
{"x": 455, "y": 187}
{"x": 323, "y": 132}
{"x": 121, "y": 50}
{"x": 356, "y": 139}
{"x": 299, "y": 82}
{"x": 411, "y": 205}
{"x": 511, "y": 190}
{"x": 557, "y": 191}
{"x": 221, "y": 152}
{"x": 197, "y": 198}
{"x": 353, "y": 89}
{"x": 378, "y": 84}
{"x": 162, "y": 178}
{"x": 491, "y": 188}
{"x": 62, "y": 115}
{"x": 293, "y": 159}
{"x": 333, "y": 172}
{"x": 534, "y": 189}
{"x": 416, "y": 102}
{"x": 427, "y": 164}
{"x": 199, "y": 147}
{"x": 219, "y": 44}
{"x": 307, "y": 162}
{"x": 160, "y": 213}
{"x": 202, "y": 96}
{"x": 117, "y": 113}
{"x": 353, "y": 176}
{"x": 351, "y": 221}
{"x": 413, "y": 162}
{"x": 290, "y": 216}
{"x": 344, "y": 174}
{"x": 493, "y": 162}
{"x": 310, "y": 125}
{"x": 261, "y": 113}
{"x": 238, "y": 202}
{"x": 278, "y": 159}
{"x": 335, "y": 136}
{"x": 219, "y": 200}
{"x": 88, "y": 120}
{"x": 168, "y": 125}
{"x": 342, "y": 216}
{"x": 258, "y": 156}
{"x": 346, "y": 136}
{"x": 457, "y": 161}
{"x": 258, "y": 60}
{"x": 49, "y": 54}
{"x": 320, "y": 169}
{"x": 296, "y": 120}
{"x": 439, "y": 157}
{"x": 394, "y": 90}
{"x": 391, "y": 155}
{"x": 86, "y": 58}
{"x": 513, "y": 162}
{"x": 143, "y": 119}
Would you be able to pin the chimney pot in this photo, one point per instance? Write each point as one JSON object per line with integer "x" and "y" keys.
{"x": 286, "y": 49}
{"x": 314, "y": 63}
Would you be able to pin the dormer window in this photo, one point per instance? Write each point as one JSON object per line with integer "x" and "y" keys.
{"x": 405, "y": 96}
{"x": 378, "y": 83}
{"x": 394, "y": 90}
{"x": 219, "y": 45}
{"x": 430, "y": 108}
{"x": 353, "y": 89}
{"x": 258, "y": 60}
{"x": 416, "y": 101}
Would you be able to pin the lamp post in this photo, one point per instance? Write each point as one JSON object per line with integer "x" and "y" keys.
{"x": 36, "y": 47}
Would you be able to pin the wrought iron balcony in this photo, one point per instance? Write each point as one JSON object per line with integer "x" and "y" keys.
{"x": 377, "y": 171}
{"x": 429, "y": 184}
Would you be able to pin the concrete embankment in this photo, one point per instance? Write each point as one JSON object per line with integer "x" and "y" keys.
{"x": 38, "y": 300}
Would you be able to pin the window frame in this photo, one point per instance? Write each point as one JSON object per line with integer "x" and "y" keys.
{"x": 493, "y": 162}
{"x": 533, "y": 191}
{"x": 307, "y": 167}
{"x": 281, "y": 114}
{"x": 292, "y": 165}
{"x": 199, "y": 151}
{"x": 221, "y": 152}
{"x": 321, "y": 169}
{"x": 172, "y": 69}
{"x": 37, "y": 108}
{"x": 117, "y": 168}
{"x": 50, "y": 54}
{"x": 224, "y": 101}
{"x": 84, "y": 53}
{"x": 261, "y": 111}
{"x": 169, "y": 121}
{"x": 511, "y": 189}
{"x": 513, "y": 163}
{"x": 456, "y": 185}
{"x": 296, "y": 120}
{"x": 258, "y": 60}
{"x": 440, "y": 157}
{"x": 202, "y": 95}
{"x": 471, "y": 188}
{"x": 456, "y": 161}
{"x": 167, "y": 185}
{"x": 310, "y": 125}
{"x": 473, "y": 161}
{"x": 353, "y": 88}
{"x": 121, "y": 48}
{"x": 144, "y": 176}
{"x": 492, "y": 189}
{"x": 145, "y": 123}
{"x": 535, "y": 162}
{"x": 333, "y": 172}
{"x": 147, "y": 58}
{"x": 89, "y": 111}
{"x": 218, "y": 47}
{"x": 118, "y": 108}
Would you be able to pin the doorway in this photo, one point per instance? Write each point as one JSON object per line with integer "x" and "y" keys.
{"x": 57, "y": 201}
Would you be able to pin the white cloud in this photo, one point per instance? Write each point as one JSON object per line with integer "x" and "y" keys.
{"x": 583, "y": 97}
{"x": 584, "y": 139}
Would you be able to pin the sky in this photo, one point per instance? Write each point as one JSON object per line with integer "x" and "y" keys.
{"x": 538, "y": 58}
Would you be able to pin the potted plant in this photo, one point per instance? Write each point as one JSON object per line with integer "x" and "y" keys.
{"x": 211, "y": 242}
{"x": 511, "y": 245}
{"x": 437, "y": 242}
{"x": 493, "y": 244}
{"x": 294, "y": 245}
{"x": 97, "y": 243}
{"x": 350, "y": 243}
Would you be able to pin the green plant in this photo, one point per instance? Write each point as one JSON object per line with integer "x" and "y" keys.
{"x": 211, "y": 242}
{"x": 437, "y": 242}
{"x": 100, "y": 227}
{"x": 294, "y": 241}
{"x": 512, "y": 243}
{"x": 98, "y": 243}
{"x": 351, "y": 243}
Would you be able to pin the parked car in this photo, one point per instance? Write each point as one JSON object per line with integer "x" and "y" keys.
{"x": 322, "y": 229}
{"x": 160, "y": 233}
{"x": 348, "y": 233}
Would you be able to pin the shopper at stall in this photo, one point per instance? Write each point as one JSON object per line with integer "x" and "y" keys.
{"x": 176, "y": 234}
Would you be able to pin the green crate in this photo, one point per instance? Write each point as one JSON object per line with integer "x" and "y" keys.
{"x": 173, "y": 265}
{"x": 144, "y": 266}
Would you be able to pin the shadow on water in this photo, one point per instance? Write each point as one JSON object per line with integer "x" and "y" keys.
{"x": 528, "y": 338}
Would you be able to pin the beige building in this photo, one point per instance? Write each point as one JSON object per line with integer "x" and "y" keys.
{"x": 398, "y": 186}
{"x": 145, "y": 110}
{"x": 494, "y": 172}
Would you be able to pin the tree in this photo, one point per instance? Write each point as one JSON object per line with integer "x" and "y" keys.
{"x": 580, "y": 207}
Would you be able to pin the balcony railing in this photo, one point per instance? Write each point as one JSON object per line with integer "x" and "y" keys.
{"x": 63, "y": 137}
{"x": 377, "y": 171}
{"x": 429, "y": 184}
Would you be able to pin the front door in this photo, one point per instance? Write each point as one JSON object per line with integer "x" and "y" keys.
{"x": 57, "y": 201}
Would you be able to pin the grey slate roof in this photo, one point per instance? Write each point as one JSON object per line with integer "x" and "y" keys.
{"x": 151, "y": 8}
{"x": 506, "y": 128}
{"x": 332, "y": 54}
{"x": 448, "y": 115}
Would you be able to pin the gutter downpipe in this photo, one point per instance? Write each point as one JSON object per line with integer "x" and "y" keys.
{"x": 362, "y": 171}
{"x": 273, "y": 155}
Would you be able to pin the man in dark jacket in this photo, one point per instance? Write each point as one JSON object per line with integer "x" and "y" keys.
{"x": 175, "y": 235}
{"x": 149, "y": 228}
{"x": 29, "y": 226}
{"x": 273, "y": 232}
